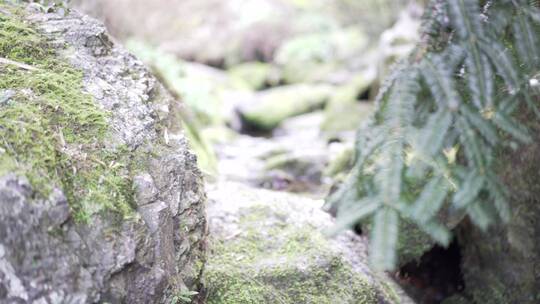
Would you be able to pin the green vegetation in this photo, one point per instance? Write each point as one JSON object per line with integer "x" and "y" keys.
{"x": 294, "y": 265}
{"x": 183, "y": 297}
{"x": 431, "y": 152}
{"x": 280, "y": 103}
{"x": 53, "y": 133}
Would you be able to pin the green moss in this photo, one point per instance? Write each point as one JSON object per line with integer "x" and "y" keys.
{"x": 341, "y": 164}
{"x": 53, "y": 133}
{"x": 257, "y": 75}
{"x": 389, "y": 291}
{"x": 278, "y": 104}
{"x": 412, "y": 243}
{"x": 274, "y": 262}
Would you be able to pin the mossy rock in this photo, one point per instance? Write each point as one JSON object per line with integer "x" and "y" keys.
{"x": 256, "y": 75}
{"x": 47, "y": 120}
{"x": 268, "y": 247}
{"x": 95, "y": 174}
{"x": 271, "y": 107}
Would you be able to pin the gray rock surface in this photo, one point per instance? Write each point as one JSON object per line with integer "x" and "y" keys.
{"x": 48, "y": 257}
{"x": 269, "y": 247}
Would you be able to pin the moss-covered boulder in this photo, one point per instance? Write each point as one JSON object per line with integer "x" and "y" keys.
{"x": 257, "y": 75}
{"x": 270, "y": 107}
{"x": 100, "y": 198}
{"x": 268, "y": 247}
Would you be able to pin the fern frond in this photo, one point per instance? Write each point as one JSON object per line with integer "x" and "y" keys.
{"x": 354, "y": 213}
{"x": 498, "y": 194}
{"x": 468, "y": 138}
{"x": 430, "y": 138}
{"x": 430, "y": 200}
{"x": 428, "y": 142}
{"x": 526, "y": 40}
{"x": 513, "y": 128}
{"x": 398, "y": 120}
{"x": 454, "y": 56}
{"x": 500, "y": 16}
{"x": 479, "y": 216}
{"x": 384, "y": 238}
{"x": 484, "y": 126}
{"x": 437, "y": 231}
{"x": 501, "y": 59}
{"x": 469, "y": 190}
{"x": 465, "y": 16}
{"x": 439, "y": 78}
{"x": 441, "y": 122}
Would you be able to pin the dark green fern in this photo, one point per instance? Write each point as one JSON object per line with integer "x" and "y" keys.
{"x": 429, "y": 154}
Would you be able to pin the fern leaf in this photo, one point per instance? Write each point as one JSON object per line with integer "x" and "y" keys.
{"x": 499, "y": 197}
{"x": 526, "y": 40}
{"x": 345, "y": 196}
{"x": 454, "y": 55}
{"x": 483, "y": 126}
{"x": 430, "y": 200}
{"x": 469, "y": 190}
{"x": 431, "y": 136}
{"x": 398, "y": 120}
{"x": 438, "y": 232}
{"x": 389, "y": 176}
{"x": 512, "y": 127}
{"x": 384, "y": 239}
{"x": 439, "y": 78}
{"x": 499, "y": 56}
{"x": 466, "y": 19}
{"x": 489, "y": 97}
{"x": 367, "y": 146}
{"x": 479, "y": 216}
{"x": 465, "y": 16}
{"x": 476, "y": 76}
{"x": 500, "y": 17}
{"x": 468, "y": 139}
{"x": 354, "y": 214}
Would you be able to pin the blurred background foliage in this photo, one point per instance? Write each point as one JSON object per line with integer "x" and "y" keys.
{"x": 221, "y": 57}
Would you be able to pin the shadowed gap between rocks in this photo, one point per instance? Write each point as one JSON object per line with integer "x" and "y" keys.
{"x": 435, "y": 276}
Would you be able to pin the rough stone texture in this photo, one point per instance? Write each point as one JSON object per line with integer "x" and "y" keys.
{"x": 268, "y": 247}
{"x": 46, "y": 257}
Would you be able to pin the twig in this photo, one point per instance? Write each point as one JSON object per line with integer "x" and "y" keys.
{"x": 17, "y": 64}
